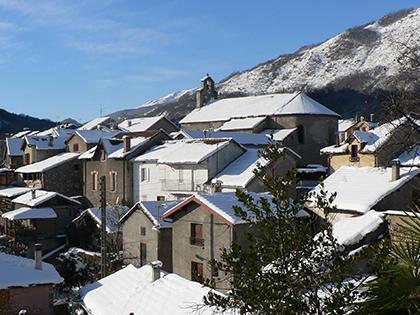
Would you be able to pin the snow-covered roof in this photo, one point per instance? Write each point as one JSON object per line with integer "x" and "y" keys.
{"x": 22, "y": 133}
{"x": 88, "y": 154}
{"x": 359, "y": 189}
{"x": 139, "y": 124}
{"x": 154, "y": 210}
{"x": 94, "y": 123}
{"x": 262, "y": 105}
{"x": 113, "y": 216}
{"x": 135, "y": 143}
{"x": 352, "y": 230}
{"x": 93, "y": 136}
{"x": 312, "y": 168}
{"x": 30, "y": 213}
{"x": 184, "y": 151}
{"x": 18, "y": 271}
{"x": 241, "y": 171}
{"x": 411, "y": 157}
{"x": 333, "y": 149}
{"x": 14, "y": 146}
{"x": 222, "y": 204}
{"x": 344, "y": 124}
{"x": 49, "y": 163}
{"x": 278, "y": 134}
{"x": 11, "y": 191}
{"x": 41, "y": 196}
{"x": 131, "y": 290}
{"x": 242, "y": 123}
{"x": 47, "y": 142}
{"x": 244, "y": 138}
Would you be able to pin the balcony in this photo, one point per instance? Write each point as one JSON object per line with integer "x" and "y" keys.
{"x": 176, "y": 185}
{"x": 196, "y": 241}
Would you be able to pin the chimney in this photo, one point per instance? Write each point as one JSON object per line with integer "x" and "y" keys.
{"x": 50, "y": 141}
{"x": 129, "y": 123}
{"x": 126, "y": 144}
{"x": 156, "y": 265}
{"x": 199, "y": 98}
{"x": 216, "y": 186}
{"x": 38, "y": 256}
{"x": 362, "y": 118}
{"x": 396, "y": 164}
{"x": 372, "y": 115}
{"x": 33, "y": 194}
{"x": 337, "y": 139}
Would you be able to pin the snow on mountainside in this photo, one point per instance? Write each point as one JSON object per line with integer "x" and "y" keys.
{"x": 343, "y": 73}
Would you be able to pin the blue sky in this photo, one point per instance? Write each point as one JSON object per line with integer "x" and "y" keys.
{"x": 62, "y": 59}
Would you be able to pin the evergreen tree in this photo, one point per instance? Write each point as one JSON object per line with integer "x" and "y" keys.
{"x": 287, "y": 268}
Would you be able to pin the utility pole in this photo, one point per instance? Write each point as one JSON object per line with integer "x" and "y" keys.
{"x": 102, "y": 184}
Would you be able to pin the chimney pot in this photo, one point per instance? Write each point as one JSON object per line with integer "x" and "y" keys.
{"x": 38, "y": 256}
{"x": 50, "y": 141}
{"x": 372, "y": 117}
{"x": 126, "y": 144}
{"x": 129, "y": 123}
{"x": 33, "y": 194}
{"x": 337, "y": 139}
{"x": 156, "y": 266}
{"x": 362, "y": 118}
{"x": 396, "y": 172}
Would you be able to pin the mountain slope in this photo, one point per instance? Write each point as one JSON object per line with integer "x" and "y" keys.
{"x": 344, "y": 73}
{"x": 11, "y": 123}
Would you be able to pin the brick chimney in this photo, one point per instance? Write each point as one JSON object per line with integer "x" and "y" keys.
{"x": 156, "y": 266}
{"x": 126, "y": 144}
{"x": 396, "y": 174}
{"x": 38, "y": 256}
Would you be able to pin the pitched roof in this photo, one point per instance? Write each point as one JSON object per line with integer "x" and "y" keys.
{"x": 411, "y": 157}
{"x": 359, "y": 189}
{"x": 93, "y": 136}
{"x": 241, "y": 171}
{"x": 221, "y": 204}
{"x": 113, "y": 216}
{"x": 184, "y": 151}
{"x": 244, "y": 138}
{"x": 49, "y": 163}
{"x": 278, "y": 134}
{"x": 344, "y": 124}
{"x": 47, "y": 142}
{"x": 135, "y": 143}
{"x": 17, "y": 271}
{"x": 242, "y": 123}
{"x": 253, "y": 106}
{"x": 41, "y": 196}
{"x": 22, "y": 133}
{"x": 30, "y": 213}
{"x": 154, "y": 210}
{"x": 131, "y": 290}
{"x": 14, "y": 146}
{"x": 94, "y": 123}
{"x": 11, "y": 191}
{"x": 140, "y": 124}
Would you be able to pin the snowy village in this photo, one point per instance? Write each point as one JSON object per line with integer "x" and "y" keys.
{"x": 256, "y": 194}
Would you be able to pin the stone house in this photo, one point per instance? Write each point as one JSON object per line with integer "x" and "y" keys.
{"x": 178, "y": 168}
{"x": 147, "y": 238}
{"x": 143, "y": 124}
{"x": 13, "y": 154}
{"x": 202, "y": 225}
{"x": 111, "y": 158}
{"x": 361, "y": 189}
{"x": 316, "y": 125}
{"x": 7, "y": 194}
{"x": 27, "y": 284}
{"x": 46, "y": 216}
{"x": 61, "y": 173}
{"x": 376, "y": 147}
{"x": 7, "y": 176}
{"x": 84, "y": 140}
{"x": 346, "y": 127}
{"x": 38, "y": 148}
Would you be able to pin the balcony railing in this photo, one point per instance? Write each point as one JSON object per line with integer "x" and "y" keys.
{"x": 176, "y": 185}
{"x": 196, "y": 241}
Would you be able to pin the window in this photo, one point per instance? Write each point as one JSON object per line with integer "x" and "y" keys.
{"x": 354, "y": 153}
{"x": 113, "y": 181}
{"x": 145, "y": 174}
{"x": 196, "y": 271}
{"x": 94, "y": 180}
{"x": 160, "y": 198}
{"x": 301, "y": 134}
{"x": 143, "y": 254}
{"x": 76, "y": 167}
{"x": 27, "y": 158}
{"x": 142, "y": 231}
{"x": 75, "y": 147}
{"x": 196, "y": 234}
